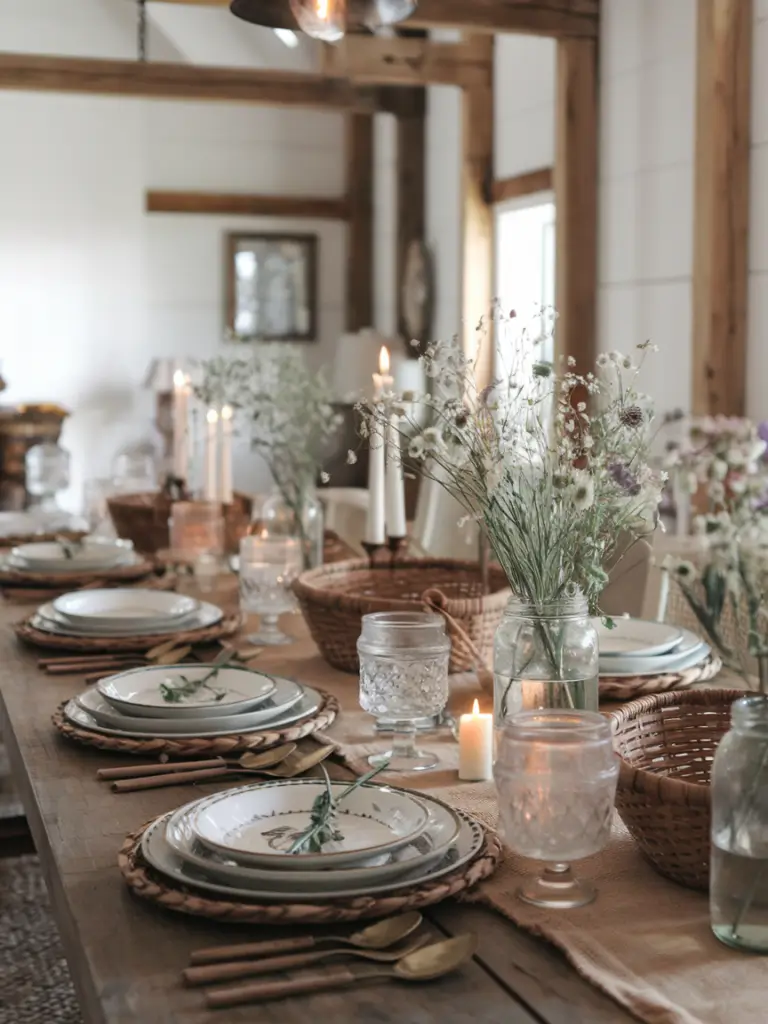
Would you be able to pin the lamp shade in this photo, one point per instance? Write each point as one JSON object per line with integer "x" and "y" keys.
{"x": 270, "y": 13}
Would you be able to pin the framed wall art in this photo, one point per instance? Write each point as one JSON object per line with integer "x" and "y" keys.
{"x": 271, "y": 287}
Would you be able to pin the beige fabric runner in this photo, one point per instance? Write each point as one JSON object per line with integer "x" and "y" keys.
{"x": 644, "y": 941}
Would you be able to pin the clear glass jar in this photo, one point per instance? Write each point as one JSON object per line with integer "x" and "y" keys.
{"x": 738, "y": 887}
{"x": 404, "y": 677}
{"x": 279, "y": 518}
{"x": 545, "y": 656}
{"x": 47, "y": 472}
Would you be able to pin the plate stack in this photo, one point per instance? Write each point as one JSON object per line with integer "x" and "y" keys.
{"x": 123, "y": 612}
{"x": 186, "y": 702}
{"x": 638, "y": 657}
{"x": 237, "y": 844}
{"x": 57, "y": 566}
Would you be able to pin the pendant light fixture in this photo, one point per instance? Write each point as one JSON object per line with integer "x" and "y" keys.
{"x": 328, "y": 20}
{"x": 322, "y": 19}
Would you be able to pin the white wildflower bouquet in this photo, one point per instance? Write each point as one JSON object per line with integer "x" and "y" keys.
{"x": 555, "y": 466}
{"x": 722, "y": 462}
{"x": 289, "y": 411}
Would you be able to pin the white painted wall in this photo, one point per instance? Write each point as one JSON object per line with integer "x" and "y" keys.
{"x": 524, "y": 111}
{"x": 647, "y": 121}
{"x": 91, "y": 287}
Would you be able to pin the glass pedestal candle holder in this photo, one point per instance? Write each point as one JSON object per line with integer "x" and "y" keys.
{"x": 403, "y": 679}
{"x": 268, "y": 567}
{"x": 196, "y": 528}
{"x": 556, "y": 776}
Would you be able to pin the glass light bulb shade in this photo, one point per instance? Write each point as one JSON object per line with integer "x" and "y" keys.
{"x": 322, "y": 19}
{"x": 380, "y": 13}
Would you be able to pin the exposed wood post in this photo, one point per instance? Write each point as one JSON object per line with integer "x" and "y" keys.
{"x": 477, "y": 212}
{"x": 242, "y": 204}
{"x": 411, "y": 158}
{"x": 576, "y": 200}
{"x": 360, "y": 235}
{"x": 720, "y": 258}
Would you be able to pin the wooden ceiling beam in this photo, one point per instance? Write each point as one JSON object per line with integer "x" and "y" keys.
{"x": 246, "y": 205}
{"x": 535, "y": 17}
{"x": 403, "y": 61}
{"x": 34, "y": 73}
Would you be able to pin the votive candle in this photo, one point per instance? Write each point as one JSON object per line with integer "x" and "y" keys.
{"x": 475, "y": 746}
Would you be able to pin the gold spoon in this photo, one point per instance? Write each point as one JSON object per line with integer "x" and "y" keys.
{"x": 209, "y": 974}
{"x": 381, "y": 935}
{"x": 423, "y": 964}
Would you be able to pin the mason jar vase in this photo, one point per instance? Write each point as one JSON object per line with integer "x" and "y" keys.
{"x": 545, "y": 656}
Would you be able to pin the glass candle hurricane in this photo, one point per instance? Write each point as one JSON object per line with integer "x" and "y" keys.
{"x": 403, "y": 679}
{"x": 196, "y": 528}
{"x": 268, "y": 567}
{"x": 556, "y": 776}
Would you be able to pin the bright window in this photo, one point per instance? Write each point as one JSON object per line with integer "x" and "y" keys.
{"x": 525, "y": 258}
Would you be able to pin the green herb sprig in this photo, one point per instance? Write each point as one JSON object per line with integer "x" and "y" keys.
{"x": 322, "y": 828}
{"x": 174, "y": 694}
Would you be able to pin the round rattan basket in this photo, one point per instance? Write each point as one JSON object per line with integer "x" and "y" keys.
{"x": 666, "y": 743}
{"x": 334, "y": 599}
{"x": 143, "y": 518}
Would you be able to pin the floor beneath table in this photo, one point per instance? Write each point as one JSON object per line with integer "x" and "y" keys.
{"x": 35, "y": 984}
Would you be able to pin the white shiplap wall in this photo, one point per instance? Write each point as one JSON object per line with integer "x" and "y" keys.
{"x": 91, "y": 287}
{"x": 647, "y": 122}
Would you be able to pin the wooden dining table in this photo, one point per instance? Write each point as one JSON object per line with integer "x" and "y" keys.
{"x": 126, "y": 955}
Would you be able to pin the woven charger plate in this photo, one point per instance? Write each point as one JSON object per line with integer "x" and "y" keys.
{"x": 626, "y": 688}
{"x": 9, "y": 576}
{"x": 125, "y": 644}
{"x": 233, "y": 743}
{"x": 152, "y": 886}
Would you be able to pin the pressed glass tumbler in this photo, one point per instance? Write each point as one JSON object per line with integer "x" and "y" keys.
{"x": 556, "y": 776}
{"x": 403, "y": 678}
{"x": 268, "y": 567}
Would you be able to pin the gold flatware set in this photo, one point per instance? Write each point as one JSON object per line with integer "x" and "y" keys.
{"x": 382, "y": 944}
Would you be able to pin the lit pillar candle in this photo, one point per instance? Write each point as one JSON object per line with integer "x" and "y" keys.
{"x": 210, "y": 474}
{"x": 475, "y": 746}
{"x": 375, "y": 525}
{"x": 395, "y": 483}
{"x": 225, "y": 489}
{"x": 180, "y": 425}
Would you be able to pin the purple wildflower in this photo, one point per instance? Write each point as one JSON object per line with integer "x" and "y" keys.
{"x": 624, "y": 478}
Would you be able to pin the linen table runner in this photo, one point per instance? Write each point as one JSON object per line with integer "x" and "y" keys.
{"x": 645, "y": 941}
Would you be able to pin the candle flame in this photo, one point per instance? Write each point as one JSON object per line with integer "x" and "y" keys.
{"x": 179, "y": 379}
{"x": 227, "y": 412}
{"x": 264, "y": 535}
{"x": 384, "y": 360}
{"x": 212, "y": 416}
{"x": 476, "y": 707}
{"x": 321, "y": 8}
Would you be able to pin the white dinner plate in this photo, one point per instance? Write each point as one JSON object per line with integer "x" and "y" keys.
{"x": 105, "y": 714}
{"x": 47, "y": 619}
{"x": 162, "y": 858}
{"x": 442, "y": 830}
{"x": 126, "y": 559}
{"x": 618, "y": 668}
{"x": 124, "y": 605}
{"x": 636, "y": 637}
{"x": 139, "y": 691}
{"x": 310, "y": 702}
{"x": 257, "y": 825}
{"x": 51, "y": 557}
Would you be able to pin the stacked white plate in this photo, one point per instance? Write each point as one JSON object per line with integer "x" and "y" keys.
{"x": 637, "y": 647}
{"x": 124, "y": 612}
{"x": 149, "y": 703}
{"x": 91, "y": 555}
{"x": 237, "y": 843}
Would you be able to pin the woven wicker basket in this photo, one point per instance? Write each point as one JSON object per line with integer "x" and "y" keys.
{"x": 335, "y": 598}
{"x": 666, "y": 743}
{"x": 143, "y": 518}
